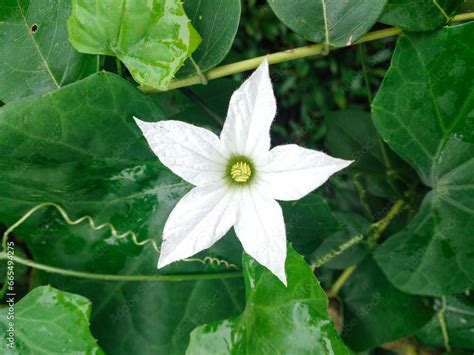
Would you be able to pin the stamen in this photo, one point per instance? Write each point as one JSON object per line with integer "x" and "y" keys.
{"x": 240, "y": 172}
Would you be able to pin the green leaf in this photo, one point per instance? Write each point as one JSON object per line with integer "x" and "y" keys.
{"x": 334, "y": 22}
{"x": 375, "y": 312}
{"x": 421, "y": 15}
{"x": 424, "y": 110}
{"x": 152, "y": 38}
{"x": 36, "y": 55}
{"x": 217, "y": 22}
{"x": 291, "y": 320}
{"x": 49, "y": 321}
{"x": 79, "y": 147}
{"x": 459, "y": 319}
{"x": 308, "y": 222}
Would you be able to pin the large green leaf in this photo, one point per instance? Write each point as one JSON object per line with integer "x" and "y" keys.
{"x": 375, "y": 312}
{"x": 48, "y": 321}
{"x": 79, "y": 147}
{"x": 334, "y": 22}
{"x": 425, "y": 111}
{"x": 459, "y": 318}
{"x": 152, "y": 38}
{"x": 424, "y": 15}
{"x": 285, "y": 320}
{"x": 217, "y": 22}
{"x": 35, "y": 55}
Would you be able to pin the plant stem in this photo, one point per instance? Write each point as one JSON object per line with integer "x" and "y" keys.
{"x": 199, "y": 73}
{"x": 380, "y": 226}
{"x": 377, "y": 229}
{"x": 341, "y": 248}
{"x": 441, "y": 10}
{"x": 335, "y": 288}
{"x": 284, "y": 56}
{"x": 118, "y": 64}
{"x": 442, "y": 323}
{"x": 365, "y": 71}
{"x": 109, "y": 277}
{"x": 362, "y": 194}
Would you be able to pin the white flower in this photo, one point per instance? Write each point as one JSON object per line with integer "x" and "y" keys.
{"x": 237, "y": 178}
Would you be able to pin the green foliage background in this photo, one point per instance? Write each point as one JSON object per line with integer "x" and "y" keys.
{"x": 380, "y": 258}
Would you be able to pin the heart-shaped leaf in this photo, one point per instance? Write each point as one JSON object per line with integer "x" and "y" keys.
{"x": 425, "y": 112}
{"x": 48, "y": 321}
{"x": 152, "y": 38}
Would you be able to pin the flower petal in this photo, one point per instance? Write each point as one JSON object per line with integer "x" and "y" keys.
{"x": 261, "y": 230}
{"x": 199, "y": 220}
{"x": 292, "y": 172}
{"x": 251, "y": 111}
{"x": 191, "y": 152}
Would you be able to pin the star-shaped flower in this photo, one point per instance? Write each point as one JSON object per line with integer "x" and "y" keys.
{"x": 237, "y": 178}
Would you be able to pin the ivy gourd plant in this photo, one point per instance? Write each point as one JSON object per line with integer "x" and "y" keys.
{"x": 302, "y": 173}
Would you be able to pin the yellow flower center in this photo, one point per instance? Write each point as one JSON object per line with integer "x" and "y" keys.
{"x": 240, "y": 171}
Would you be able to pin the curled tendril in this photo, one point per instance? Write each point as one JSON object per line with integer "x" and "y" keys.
{"x": 113, "y": 231}
{"x": 213, "y": 261}
{"x": 72, "y": 222}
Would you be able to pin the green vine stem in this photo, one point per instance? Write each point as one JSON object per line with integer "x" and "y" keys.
{"x": 361, "y": 192}
{"x": 377, "y": 229}
{"x": 199, "y": 73}
{"x": 118, "y": 64}
{"x": 284, "y": 56}
{"x": 336, "y": 287}
{"x": 442, "y": 323}
{"x": 341, "y": 248}
{"x": 365, "y": 72}
{"x": 105, "y": 277}
{"x": 109, "y": 277}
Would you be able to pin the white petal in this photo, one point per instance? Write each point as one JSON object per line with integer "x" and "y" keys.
{"x": 199, "y": 220}
{"x": 292, "y": 172}
{"x": 261, "y": 230}
{"x": 251, "y": 111}
{"x": 191, "y": 152}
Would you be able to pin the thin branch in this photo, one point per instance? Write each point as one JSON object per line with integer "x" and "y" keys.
{"x": 110, "y": 277}
{"x": 440, "y": 315}
{"x": 199, "y": 73}
{"x": 336, "y": 287}
{"x": 284, "y": 56}
{"x": 377, "y": 229}
{"x": 118, "y": 65}
{"x": 365, "y": 71}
